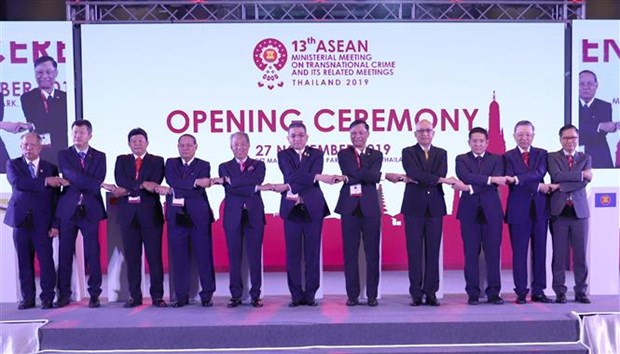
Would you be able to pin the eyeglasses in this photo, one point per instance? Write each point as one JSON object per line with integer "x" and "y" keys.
{"x": 567, "y": 138}
{"x": 422, "y": 131}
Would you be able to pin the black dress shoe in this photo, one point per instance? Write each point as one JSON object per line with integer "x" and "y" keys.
{"x": 560, "y": 299}
{"x": 47, "y": 304}
{"x": 416, "y": 301}
{"x": 431, "y": 300}
{"x": 541, "y": 298}
{"x": 352, "y": 302}
{"x": 233, "y": 302}
{"x": 25, "y": 305}
{"x": 132, "y": 303}
{"x": 93, "y": 303}
{"x": 257, "y": 302}
{"x": 582, "y": 298}
{"x": 62, "y": 302}
{"x": 295, "y": 303}
{"x": 372, "y": 302}
{"x": 496, "y": 300}
{"x": 472, "y": 300}
{"x": 521, "y": 300}
{"x": 208, "y": 302}
{"x": 180, "y": 303}
{"x": 159, "y": 303}
{"x": 312, "y": 303}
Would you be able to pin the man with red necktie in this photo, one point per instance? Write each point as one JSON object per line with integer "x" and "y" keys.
{"x": 527, "y": 212}
{"x": 138, "y": 175}
{"x": 45, "y": 107}
{"x": 570, "y": 172}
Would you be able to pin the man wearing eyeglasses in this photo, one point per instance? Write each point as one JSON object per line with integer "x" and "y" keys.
{"x": 527, "y": 212}
{"x": 570, "y": 172}
{"x": 594, "y": 121}
{"x": 424, "y": 207}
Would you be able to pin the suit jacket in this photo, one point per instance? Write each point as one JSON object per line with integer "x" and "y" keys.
{"x": 240, "y": 193}
{"x": 300, "y": 176}
{"x": 148, "y": 211}
{"x": 52, "y": 121}
{"x": 31, "y": 199}
{"x": 595, "y": 142}
{"x": 368, "y": 174}
{"x": 85, "y": 182}
{"x": 525, "y": 195}
{"x": 426, "y": 194}
{"x": 182, "y": 182}
{"x": 484, "y": 195}
{"x": 571, "y": 183}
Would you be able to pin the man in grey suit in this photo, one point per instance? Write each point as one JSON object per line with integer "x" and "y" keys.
{"x": 570, "y": 171}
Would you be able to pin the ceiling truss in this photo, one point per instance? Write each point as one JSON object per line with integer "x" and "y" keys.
{"x": 193, "y": 11}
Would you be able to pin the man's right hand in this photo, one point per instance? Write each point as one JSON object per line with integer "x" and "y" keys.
{"x": 587, "y": 174}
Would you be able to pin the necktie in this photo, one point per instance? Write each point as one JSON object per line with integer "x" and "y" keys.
{"x": 358, "y": 159}
{"x": 242, "y": 165}
{"x": 82, "y": 158}
{"x": 426, "y": 154}
{"x": 33, "y": 173}
{"x": 526, "y": 158}
{"x": 571, "y": 160}
{"x": 138, "y": 166}
{"x": 479, "y": 161}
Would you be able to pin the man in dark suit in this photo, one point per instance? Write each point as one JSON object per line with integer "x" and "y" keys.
{"x": 138, "y": 175}
{"x": 480, "y": 213}
{"x": 424, "y": 207}
{"x": 45, "y": 107}
{"x": 189, "y": 217}
{"x": 570, "y": 172}
{"x": 244, "y": 217}
{"x": 358, "y": 205}
{"x": 30, "y": 213}
{"x": 80, "y": 207}
{"x": 302, "y": 208}
{"x": 594, "y": 121}
{"x": 527, "y": 212}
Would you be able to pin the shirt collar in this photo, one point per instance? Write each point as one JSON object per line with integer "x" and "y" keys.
{"x": 35, "y": 162}
{"x": 46, "y": 95}
{"x": 78, "y": 150}
{"x": 589, "y": 103}
{"x": 522, "y": 151}
{"x": 140, "y": 156}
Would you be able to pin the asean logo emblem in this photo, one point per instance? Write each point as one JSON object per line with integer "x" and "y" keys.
{"x": 605, "y": 199}
{"x": 270, "y": 56}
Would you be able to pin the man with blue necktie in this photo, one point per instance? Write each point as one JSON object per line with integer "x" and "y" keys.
{"x": 81, "y": 208}
{"x": 189, "y": 218}
{"x": 30, "y": 213}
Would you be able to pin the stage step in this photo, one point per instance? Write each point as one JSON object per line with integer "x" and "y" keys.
{"x": 392, "y": 327}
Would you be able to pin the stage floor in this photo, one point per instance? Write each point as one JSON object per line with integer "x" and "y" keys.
{"x": 393, "y": 326}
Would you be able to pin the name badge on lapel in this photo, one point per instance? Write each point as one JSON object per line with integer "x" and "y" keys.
{"x": 134, "y": 200}
{"x": 292, "y": 197}
{"x": 46, "y": 139}
{"x": 178, "y": 202}
{"x": 355, "y": 190}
